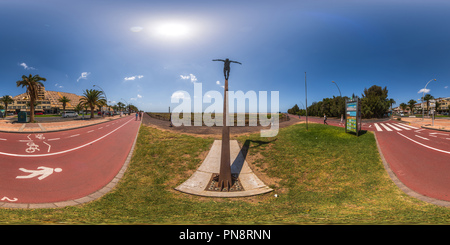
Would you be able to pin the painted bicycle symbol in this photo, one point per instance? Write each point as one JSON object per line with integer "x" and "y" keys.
{"x": 32, "y": 147}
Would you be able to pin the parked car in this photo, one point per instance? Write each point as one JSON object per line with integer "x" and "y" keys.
{"x": 69, "y": 114}
{"x": 39, "y": 113}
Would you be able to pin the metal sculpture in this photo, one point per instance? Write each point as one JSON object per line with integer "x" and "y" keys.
{"x": 224, "y": 180}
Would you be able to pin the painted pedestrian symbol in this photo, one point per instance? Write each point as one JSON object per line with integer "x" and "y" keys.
{"x": 44, "y": 172}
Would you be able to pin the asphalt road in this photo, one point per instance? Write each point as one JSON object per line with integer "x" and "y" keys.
{"x": 420, "y": 158}
{"x": 60, "y": 166}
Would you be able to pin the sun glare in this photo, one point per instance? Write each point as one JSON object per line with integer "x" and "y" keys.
{"x": 172, "y": 30}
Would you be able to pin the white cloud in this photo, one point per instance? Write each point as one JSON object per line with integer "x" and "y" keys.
{"x": 424, "y": 90}
{"x": 178, "y": 95}
{"x": 83, "y": 75}
{"x": 132, "y": 78}
{"x": 191, "y": 76}
{"x": 218, "y": 83}
{"x": 446, "y": 87}
{"x": 59, "y": 86}
{"x": 26, "y": 67}
{"x": 139, "y": 96}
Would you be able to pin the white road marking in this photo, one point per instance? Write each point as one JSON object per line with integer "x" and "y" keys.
{"x": 44, "y": 172}
{"x": 440, "y": 134}
{"x": 49, "y": 146}
{"x": 65, "y": 151}
{"x": 75, "y": 135}
{"x": 388, "y": 129}
{"x": 90, "y": 131}
{"x": 402, "y": 126}
{"x": 421, "y": 137}
{"x": 394, "y": 127}
{"x": 409, "y": 126}
{"x": 419, "y": 130}
{"x": 54, "y": 139}
{"x": 429, "y": 147}
{"x": 378, "y": 127}
{"x": 2, "y": 139}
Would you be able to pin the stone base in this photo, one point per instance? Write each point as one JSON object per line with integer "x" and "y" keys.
{"x": 197, "y": 184}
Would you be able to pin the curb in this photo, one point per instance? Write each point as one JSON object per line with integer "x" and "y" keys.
{"x": 91, "y": 197}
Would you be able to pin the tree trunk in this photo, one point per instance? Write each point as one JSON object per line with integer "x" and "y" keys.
{"x": 92, "y": 111}
{"x": 31, "y": 110}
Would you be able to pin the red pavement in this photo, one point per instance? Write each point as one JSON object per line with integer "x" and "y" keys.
{"x": 420, "y": 158}
{"x": 71, "y": 164}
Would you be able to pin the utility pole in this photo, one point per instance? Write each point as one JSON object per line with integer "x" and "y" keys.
{"x": 306, "y": 98}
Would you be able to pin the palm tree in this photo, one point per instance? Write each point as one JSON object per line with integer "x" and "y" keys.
{"x": 427, "y": 98}
{"x": 92, "y": 98}
{"x": 391, "y": 102}
{"x": 6, "y": 99}
{"x": 403, "y": 106}
{"x": 64, "y": 100}
{"x": 411, "y": 104}
{"x": 33, "y": 84}
{"x": 120, "y": 105}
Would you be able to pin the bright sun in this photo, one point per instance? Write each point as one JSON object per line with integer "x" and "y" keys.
{"x": 172, "y": 30}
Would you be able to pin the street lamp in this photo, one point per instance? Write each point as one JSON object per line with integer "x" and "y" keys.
{"x": 337, "y": 87}
{"x": 342, "y": 116}
{"x": 105, "y": 98}
{"x": 423, "y": 97}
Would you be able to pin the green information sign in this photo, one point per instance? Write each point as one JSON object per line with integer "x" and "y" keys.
{"x": 353, "y": 116}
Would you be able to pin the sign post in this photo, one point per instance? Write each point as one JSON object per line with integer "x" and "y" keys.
{"x": 353, "y": 115}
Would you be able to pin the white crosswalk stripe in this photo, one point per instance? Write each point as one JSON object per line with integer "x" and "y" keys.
{"x": 393, "y": 126}
{"x": 384, "y": 126}
{"x": 403, "y": 127}
{"x": 378, "y": 127}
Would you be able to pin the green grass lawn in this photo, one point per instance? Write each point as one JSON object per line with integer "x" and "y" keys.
{"x": 322, "y": 176}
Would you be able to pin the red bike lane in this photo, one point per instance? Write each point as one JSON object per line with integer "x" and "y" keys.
{"x": 78, "y": 164}
{"x": 419, "y": 158}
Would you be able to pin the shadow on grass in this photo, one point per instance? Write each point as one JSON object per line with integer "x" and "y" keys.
{"x": 238, "y": 163}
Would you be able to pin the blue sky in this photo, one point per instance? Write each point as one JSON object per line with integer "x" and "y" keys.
{"x": 141, "y": 52}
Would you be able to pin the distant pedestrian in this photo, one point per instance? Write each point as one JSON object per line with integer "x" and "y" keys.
{"x": 325, "y": 119}
{"x": 136, "y": 115}
{"x": 140, "y": 115}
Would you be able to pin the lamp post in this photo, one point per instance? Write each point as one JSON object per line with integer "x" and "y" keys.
{"x": 105, "y": 98}
{"x": 423, "y": 97}
{"x": 342, "y": 116}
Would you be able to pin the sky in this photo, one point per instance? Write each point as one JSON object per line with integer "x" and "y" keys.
{"x": 143, "y": 52}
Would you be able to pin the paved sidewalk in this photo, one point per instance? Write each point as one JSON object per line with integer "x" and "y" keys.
{"x": 11, "y": 125}
{"x": 439, "y": 123}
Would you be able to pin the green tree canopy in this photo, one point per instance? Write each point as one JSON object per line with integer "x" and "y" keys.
{"x": 374, "y": 102}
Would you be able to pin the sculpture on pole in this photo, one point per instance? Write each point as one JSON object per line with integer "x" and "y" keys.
{"x": 224, "y": 179}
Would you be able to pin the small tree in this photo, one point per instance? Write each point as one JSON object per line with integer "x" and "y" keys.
{"x": 32, "y": 83}
{"x": 412, "y": 104}
{"x": 6, "y": 99}
{"x": 64, "y": 100}
{"x": 92, "y": 98}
